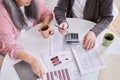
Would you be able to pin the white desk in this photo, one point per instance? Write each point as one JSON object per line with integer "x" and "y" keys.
{"x": 35, "y": 44}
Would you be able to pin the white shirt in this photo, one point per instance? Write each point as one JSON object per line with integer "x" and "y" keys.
{"x": 78, "y": 8}
{"x": 28, "y": 21}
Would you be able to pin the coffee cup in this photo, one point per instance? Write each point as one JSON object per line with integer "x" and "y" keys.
{"x": 108, "y": 39}
{"x": 46, "y": 31}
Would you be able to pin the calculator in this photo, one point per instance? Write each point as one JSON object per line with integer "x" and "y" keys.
{"x": 72, "y": 38}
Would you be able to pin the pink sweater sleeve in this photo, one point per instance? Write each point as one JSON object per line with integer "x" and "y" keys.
{"x": 43, "y": 10}
{"x": 8, "y": 36}
{"x": 7, "y": 29}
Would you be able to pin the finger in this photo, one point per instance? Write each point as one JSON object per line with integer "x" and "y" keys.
{"x": 85, "y": 42}
{"x": 90, "y": 44}
{"x": 87, "y": 45}
{"x": 62, "y": 31}
{"x": 93, "y": 43}
{"x": 64, "y": 27}
{"x": 41, "y": 70}
{"x": 61, "y": 26}
{"x": 42, "y": 74}
{"x": 36, "y": 72}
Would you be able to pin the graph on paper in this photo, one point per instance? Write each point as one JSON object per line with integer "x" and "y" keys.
{"x": 61, "y": 74}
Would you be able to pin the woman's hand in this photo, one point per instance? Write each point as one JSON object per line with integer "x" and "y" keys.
{"x": 63, "y": 28}
{"x": 46, "y": 31}
{"x": 89, "y": 40}
{"x": 37, "y": 68}
{"x": 34, "y": 62}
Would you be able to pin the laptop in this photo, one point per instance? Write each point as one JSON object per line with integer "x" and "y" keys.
{"x": 24, "y": 71}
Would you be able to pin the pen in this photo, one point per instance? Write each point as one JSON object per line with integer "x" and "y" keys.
{"x": 59, "y": 27}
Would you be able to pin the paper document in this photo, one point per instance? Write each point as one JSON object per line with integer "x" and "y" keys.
{"x": 87, "y": 61}
{"x": 58, "y": 44}
{"x": 59, "y": 59}
{"x": 63, "y": 51}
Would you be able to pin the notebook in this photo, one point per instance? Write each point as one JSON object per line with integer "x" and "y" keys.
{"x": 24, "y": 71}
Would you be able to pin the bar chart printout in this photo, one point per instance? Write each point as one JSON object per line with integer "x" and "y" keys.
{"x": 62, "y": 74}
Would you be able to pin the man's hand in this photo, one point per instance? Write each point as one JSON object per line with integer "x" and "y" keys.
{"x": 89, "y": 40}
{"x": 63, "y": 28}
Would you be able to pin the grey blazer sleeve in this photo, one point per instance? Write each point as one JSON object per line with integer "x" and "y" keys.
{"x": 60, "y": 11}
{"x": 106, "y": 16}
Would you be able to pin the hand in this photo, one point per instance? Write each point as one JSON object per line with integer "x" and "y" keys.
{"x": 46, "y": 31}
{"x": 35, "y": 64}
{"x": 37, "y": 68}
{"x": 89, "y": 40}
{"x": 63, "y": 28}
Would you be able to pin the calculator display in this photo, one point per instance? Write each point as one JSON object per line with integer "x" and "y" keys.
{"x": 72, "y": 38}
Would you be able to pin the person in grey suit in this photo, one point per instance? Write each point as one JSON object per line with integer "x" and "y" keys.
{"x": 98, "y": 11}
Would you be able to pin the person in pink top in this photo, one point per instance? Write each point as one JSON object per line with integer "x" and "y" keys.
{"x": 14, "y": 17}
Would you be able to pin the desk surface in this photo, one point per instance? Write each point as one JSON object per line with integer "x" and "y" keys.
{"x": 32, "y": 42}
